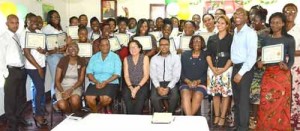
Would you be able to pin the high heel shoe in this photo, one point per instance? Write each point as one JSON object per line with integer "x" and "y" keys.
{"x": 40, "y": 124}
{"x": 221, "y": 122}
{"x": 216, "y": 120}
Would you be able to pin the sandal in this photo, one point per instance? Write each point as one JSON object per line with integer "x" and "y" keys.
{"x": 221, "y": 122}
{"x": 216, "y": 120}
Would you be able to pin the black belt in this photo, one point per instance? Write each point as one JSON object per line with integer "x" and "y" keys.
{"x": 14, "y": 67}
{"x": 223, "y": 54}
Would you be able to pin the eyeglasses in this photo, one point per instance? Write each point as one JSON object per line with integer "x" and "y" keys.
{"x": 290, "y": 12}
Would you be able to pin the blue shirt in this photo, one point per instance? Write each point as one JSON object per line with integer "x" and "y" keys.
{"x": 244, "y": 48}
{"x": 104, "y": 69}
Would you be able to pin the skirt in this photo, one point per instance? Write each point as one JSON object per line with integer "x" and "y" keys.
{"x": 274, "y": 112}
{"x": 219, "y": 85}
{"x": 109, "y": 90}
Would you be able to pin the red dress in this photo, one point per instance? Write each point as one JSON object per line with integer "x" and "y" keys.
{"x": 275, "y": 103}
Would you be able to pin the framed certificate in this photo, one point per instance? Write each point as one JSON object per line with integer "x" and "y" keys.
{"x": 185, "y": 42}
{"x": 114, "y": 44}
{"x": 145, "y": 41}
{"x": 272, "y": 53}
{"x": 85, "y": 49}
{"x": 61, "y": 39}
{"x": 205, "y": 36}
{"x": 123, "y": 38}
{"x": 51, "y": 41}
{"x": 73, "y": 32}
{"x": 156, "y": 34}
{"x": 34, "y": 40}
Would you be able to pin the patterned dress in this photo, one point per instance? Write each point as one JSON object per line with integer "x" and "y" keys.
{"x": 295, "y": 70}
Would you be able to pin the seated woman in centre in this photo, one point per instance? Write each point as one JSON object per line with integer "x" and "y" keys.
{"x": 103, "y": 71}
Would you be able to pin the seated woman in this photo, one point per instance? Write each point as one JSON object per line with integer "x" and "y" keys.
{"x": 193, "y": 76}
{"x": 103, "y": 71}
{"x": 69, "y": 77}
{"x": 136, "y": 74}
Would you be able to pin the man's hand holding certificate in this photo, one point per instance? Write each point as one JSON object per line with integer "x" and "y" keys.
{"x": 272, "y": 53}
{"x": 35, "y": 40}
{"x": 145, "y": 41}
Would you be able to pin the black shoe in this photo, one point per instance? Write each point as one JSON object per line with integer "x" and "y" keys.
{"x": 24, "y": 123}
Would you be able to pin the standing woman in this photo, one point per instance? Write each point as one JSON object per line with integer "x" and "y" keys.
{"x": 209, "y": 23}
{"x": 105, "y": 33}
{"x": 290, "y": 11}
{"x": 220, "y": 70}
{"x": 143, "y": 30}
{"x": 103, "y": 71}
{"x": 53, "y": 56}
{"x": 136, "y": 74}
{"x": 193, "y": 76}
{"x": 274, "y": 109}
{"x": 70, "y": 74}
{"x": 35, "y": 65}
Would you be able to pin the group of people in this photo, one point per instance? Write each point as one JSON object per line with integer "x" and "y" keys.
{"x": 226, "y": 68}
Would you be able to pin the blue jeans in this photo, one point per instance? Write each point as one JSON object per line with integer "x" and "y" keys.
{"x": 39, "y": 84}
{"x": 33, "y": 92}
{"x": 52, "y": 61}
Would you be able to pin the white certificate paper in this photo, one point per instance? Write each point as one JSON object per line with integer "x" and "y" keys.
{"x": 61, "y": 39}
{"x": 156, "y": 34}
{"x": 56, "y": 40}
{"x": 185, "y": 42}
{"x": 85, "y": 49}
{"x": 123, "y": 38}
{"x": 95, "y": 36}
{"x": 35, "y": 40}
{"x": 73, "y": 32}
{"x": 145, "y": 41}
{"x": 51, "y": 41}
{"x": 272, "y": 53}
{"x": 114, "y": 44}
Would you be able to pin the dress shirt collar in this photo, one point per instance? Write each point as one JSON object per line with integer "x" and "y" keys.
{"x": 159, "y": 54}
{"x": 10, "y": 33}
{"x": 245, "y": 26}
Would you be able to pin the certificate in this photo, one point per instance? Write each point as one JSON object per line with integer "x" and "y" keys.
{"x": 185, "y": 42}
{"x": 73, "y": 32}
{"x": 61, "y": 39}
{"x": 156, "y": 34}
{"x": 272, "y": 53}
{"x": 95, "y": 36}
{"x": 85, "y": 49}
{"x": 114, "y": 44}
{"x": 145, "y": 41}
{"x": 35, "y": 40}
{"x": 123, "y": 38}
{"x": 205, "y": 36}
{"x": 51, "y": 41}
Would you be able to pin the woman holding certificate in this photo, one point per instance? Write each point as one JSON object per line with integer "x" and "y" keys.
{"x": 105, "y": 33}
{"x": 184, "y": 39}
{"x": 193, "y": 76}
{"x": 35, "y": 65}
{"x": 55, "y": 54}
{"x": 147, "y": 40}
{"x": 220, "y": 69}
{"x": 70, "y": 74}
{"x": 290, "y": 11}
{"x": 103, "y": 71}
{"x": 274, "y": 110}
{"x": 123, "y": 36}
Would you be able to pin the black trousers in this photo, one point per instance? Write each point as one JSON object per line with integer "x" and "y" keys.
{"x": 241, "y": 92}
{"x": 135, "y": 106}
{"x": 172, "y": 98}
{"x": 14, "y": 95}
